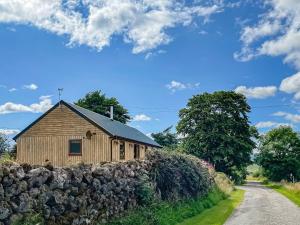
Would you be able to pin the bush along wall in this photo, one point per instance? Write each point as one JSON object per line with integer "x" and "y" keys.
{"x": 86, "y": 194}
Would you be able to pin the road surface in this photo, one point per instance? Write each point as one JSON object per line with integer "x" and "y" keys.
{"x": 264, "y": 206}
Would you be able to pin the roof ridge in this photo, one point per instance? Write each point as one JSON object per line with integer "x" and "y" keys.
{"x": 113, "y": 128}
{"x": 106, "y": 117}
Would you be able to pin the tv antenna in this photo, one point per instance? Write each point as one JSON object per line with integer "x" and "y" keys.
{"x": 60, "y": 90}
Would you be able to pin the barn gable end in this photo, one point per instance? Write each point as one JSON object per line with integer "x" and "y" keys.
{"x": 48, "y": 139}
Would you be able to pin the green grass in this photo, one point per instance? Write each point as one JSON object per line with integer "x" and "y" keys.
{"x": 252, "y": 178}
{"x": 218, "y": 214}
{"x": 170, "y": 213}
{"x": 293, "y": 195}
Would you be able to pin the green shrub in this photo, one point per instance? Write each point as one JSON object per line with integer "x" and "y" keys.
{"x": 179, "y": 176}
{"x": 145, "y": 191}
{"x": 238, "y": 175}
{"x": 5, "y": 158}
{"x": 279, "y": 154}
{"x": 224, "y": 183}
{"x": 30, "y": 219}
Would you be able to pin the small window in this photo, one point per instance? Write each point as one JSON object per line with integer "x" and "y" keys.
{"x": 122, "y": 150}
{"x": 75, "y": 147}
{"x": 136, "y": 151}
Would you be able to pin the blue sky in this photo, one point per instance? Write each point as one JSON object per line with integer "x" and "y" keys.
{"x": 151, "y": 55}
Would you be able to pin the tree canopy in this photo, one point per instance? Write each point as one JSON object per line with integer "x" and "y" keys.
{"x": 166, "y": 138}
{"x": 279, "y": 154}
{"x": 99, "y": 103}
{"x": 4, "y": 145}
{"x": 216, "y": 128}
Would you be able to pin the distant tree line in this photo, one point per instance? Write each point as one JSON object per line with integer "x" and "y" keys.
{"x": 279, "y": 154}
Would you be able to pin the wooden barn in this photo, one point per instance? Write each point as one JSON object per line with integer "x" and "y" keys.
{"x": 68, "y": 134}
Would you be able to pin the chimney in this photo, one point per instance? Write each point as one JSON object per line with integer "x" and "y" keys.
{"x": 112, "y": 112}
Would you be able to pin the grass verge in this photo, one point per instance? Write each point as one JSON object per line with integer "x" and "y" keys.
{"x": 291, "y": 191}
{"x": 218, "y": 214}
{"x": 170, "y": 213}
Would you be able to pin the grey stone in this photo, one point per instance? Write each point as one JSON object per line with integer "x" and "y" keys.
{"x": 25, "y": 203}
{"x": 4, "y": 210}
{"x": 60, "y": 180}
{"x": 37, "y": 177}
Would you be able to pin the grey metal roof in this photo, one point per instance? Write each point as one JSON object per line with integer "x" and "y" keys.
{"x": 113, "y": 127}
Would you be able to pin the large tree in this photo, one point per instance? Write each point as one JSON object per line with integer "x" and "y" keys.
{"x": 4, "y": 145}
{"x": 99, "y": 103}
{"x": 216, "y": 128}
{"x": 279, "y": 154}
{"x": 166, "y": 138}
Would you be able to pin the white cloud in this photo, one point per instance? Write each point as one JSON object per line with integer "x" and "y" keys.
{"x": 175, "y": 86}
{"x": 178, "y": 86}
{"x": 257, "y": 92}
{"x": 277, "y": 33}
{"x": 42, "y": 106}
{"x": 44, "y": 97}
{"x": 12, "y": 89}
{"x": 295, "y": 118}
{"x": 32, "y": 87}
{"x": 152, "y": 54}
{"x": 141, "y": 117}
{"x": 9, "y": 131}
{"x": 291, "y": 85}
{"x": 203, "y": 32}
{"x": 270, "y": 124}
{"x": 140, "y": 22}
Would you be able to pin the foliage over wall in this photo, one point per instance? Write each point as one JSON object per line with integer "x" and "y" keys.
{"x": 84, "y": 194}
{"x": 178, "y": 175}
{"x": 174, "y": 212}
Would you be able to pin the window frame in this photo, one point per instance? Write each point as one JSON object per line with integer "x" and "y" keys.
{"x": 75, "y": 154}
{"x": 120, "y": 144}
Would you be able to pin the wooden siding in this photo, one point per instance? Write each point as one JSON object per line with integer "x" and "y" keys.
{"x": 129, "y": 151}
{"x": 48, "y": 140}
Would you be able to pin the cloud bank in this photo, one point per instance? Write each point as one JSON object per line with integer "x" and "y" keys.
{"x": 8, "y": 132}
{"x": 40, "y": 107}
{"x": 94, "y": 23}
{"x": 257, "y": 92}
{"x": 277, "y": 33}
{"x": 270, "y": 124}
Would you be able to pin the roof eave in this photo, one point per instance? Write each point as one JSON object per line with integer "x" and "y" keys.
{"x": 144, "y": 143}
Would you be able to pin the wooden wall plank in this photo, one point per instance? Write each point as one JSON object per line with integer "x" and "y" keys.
{"x": 49, "y": 140}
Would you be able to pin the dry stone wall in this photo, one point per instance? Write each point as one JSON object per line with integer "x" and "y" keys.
{"x": 77, "y": 195}
{"x": 85, "y": 194}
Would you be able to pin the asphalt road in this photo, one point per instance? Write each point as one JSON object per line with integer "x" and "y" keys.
{"x": 264, "y": 206}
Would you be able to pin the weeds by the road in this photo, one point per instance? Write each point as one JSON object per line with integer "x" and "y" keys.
{"x": 289, "y": 190}
{"x": 219, "y": 213}
{"x": 173, "y": 212}
{"x": 169, "y": 213}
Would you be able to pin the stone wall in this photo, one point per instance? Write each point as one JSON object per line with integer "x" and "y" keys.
{"x": 86, "y": 194}
{"x": 76, "y": 195}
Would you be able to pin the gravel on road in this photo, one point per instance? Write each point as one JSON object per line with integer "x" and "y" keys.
{"x": 264, "y": 206}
